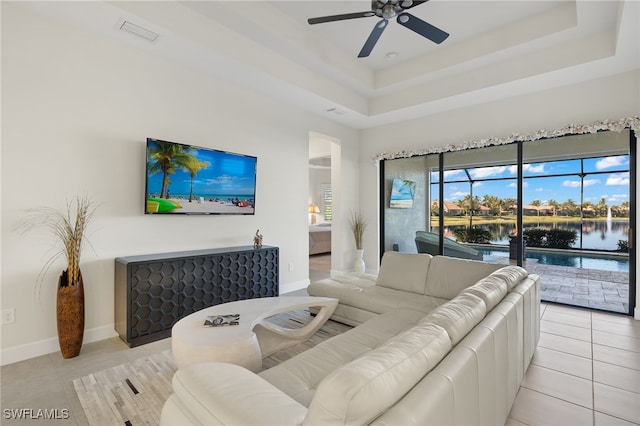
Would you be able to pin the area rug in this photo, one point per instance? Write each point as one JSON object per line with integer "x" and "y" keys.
{"x": 128, "y": 394}
{"x": 133, "y": 393}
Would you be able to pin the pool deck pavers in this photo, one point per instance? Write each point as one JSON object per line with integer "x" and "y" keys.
{"x": 588, "y": 288}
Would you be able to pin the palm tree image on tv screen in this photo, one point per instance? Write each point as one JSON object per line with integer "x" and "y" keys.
{"x": 186, "y": 179}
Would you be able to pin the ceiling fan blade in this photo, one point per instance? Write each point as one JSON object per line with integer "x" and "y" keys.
{"x": 373, "y": 38}
{"x": 423, "y": 28}
{"x": 332, "y": 18}
{"x": 408, "y": 4}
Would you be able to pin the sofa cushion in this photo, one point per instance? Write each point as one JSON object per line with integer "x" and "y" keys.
{"x": 512, "y": 275}
{"x": 382, "y": 299}
{"x": 404, "y": 271}
{"x": 341, "y": 286}
{"x": 217, "y": 393}
{"x": 300, "y": 376}
{"x": 351, "y": 315}
{"x": 491, "y": 290}
{"x": 458, "y": 316}
{"x": 448, "y": 276}
{"x": 360, "y": 391}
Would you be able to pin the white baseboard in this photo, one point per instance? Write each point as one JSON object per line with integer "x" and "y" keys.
{"x": 47, "y": 346}
{"x": 636, "y": 313}
{"x": 298, "y": 285}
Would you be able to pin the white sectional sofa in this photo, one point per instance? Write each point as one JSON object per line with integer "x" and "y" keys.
{"x": 441, "y": 341}
{"x": 416, "y": 281}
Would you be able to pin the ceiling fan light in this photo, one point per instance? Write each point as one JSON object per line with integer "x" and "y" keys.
{"x": 388, "y": 12}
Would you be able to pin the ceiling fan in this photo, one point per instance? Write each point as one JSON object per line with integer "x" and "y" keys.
{"x": 389, "y": 9}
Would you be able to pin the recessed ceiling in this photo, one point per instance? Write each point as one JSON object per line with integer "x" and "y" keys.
{"x": 463, "y": 20}
{"x": 496, "y": 49}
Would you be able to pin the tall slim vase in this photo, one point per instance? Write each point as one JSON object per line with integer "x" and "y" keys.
{"x": 70, "y": 315}
{"x": 358, "y": 264}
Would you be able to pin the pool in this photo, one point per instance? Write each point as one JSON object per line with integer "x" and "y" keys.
{"x": 571, "y": 259}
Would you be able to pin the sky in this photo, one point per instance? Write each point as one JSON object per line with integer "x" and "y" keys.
{"x": 605, "y": 177}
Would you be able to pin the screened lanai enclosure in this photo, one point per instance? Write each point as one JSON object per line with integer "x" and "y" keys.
{"x": 561, "y": 207}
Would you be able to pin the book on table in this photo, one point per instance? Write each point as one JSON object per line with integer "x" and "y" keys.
{"x": 222, "y": 320}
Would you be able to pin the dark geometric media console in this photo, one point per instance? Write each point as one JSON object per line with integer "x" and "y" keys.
{"x": 152, "y": 292}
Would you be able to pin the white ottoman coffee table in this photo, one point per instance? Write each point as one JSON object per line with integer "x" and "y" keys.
{"x": 250, "y": 341}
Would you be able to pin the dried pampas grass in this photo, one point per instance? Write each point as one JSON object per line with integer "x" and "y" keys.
{"x": 68, "y": 228}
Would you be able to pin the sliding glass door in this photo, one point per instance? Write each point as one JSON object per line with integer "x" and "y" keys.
{"x": 577, "y": 194}
{"x": 561, "y": 207}
{"x": 479, "y": 196}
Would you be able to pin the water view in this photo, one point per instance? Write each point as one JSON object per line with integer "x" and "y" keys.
{"x": 571, "y": 259}
{"x": 600, "y": 235}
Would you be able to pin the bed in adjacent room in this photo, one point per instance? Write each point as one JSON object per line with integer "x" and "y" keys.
{"x": 320, "y": 238}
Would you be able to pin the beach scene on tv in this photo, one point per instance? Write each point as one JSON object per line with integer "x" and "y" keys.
{"x": 184, "y": 179}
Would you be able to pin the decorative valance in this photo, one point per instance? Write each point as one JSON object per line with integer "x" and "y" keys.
{"x": 632, "y": 123}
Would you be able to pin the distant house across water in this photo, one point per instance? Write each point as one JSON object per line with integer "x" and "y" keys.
{"x": 450, "y": 209}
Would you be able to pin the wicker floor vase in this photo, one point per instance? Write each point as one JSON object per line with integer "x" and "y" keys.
{"x": 70, "y": 316}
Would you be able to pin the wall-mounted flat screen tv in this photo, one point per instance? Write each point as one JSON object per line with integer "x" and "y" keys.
{"x": 186, "y": 179}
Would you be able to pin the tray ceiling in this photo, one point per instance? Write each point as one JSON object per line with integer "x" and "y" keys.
{"x": 496, "y": 49}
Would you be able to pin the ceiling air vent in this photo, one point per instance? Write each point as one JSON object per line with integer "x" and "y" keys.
{"x": 139, "y": 31}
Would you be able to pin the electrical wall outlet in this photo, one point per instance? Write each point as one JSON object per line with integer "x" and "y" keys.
{"x": 9, "y": 316}
{"x": 290, "y": 266}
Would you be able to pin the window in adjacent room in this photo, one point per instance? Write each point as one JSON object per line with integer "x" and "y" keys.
{"x": 327, "y": 209}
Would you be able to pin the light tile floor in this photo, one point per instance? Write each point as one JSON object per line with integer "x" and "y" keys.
{"x": 586, "y": 371}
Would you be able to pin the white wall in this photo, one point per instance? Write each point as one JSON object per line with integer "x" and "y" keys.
{"x": 607, "y": 98}
{"x": 76, "y": 110}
